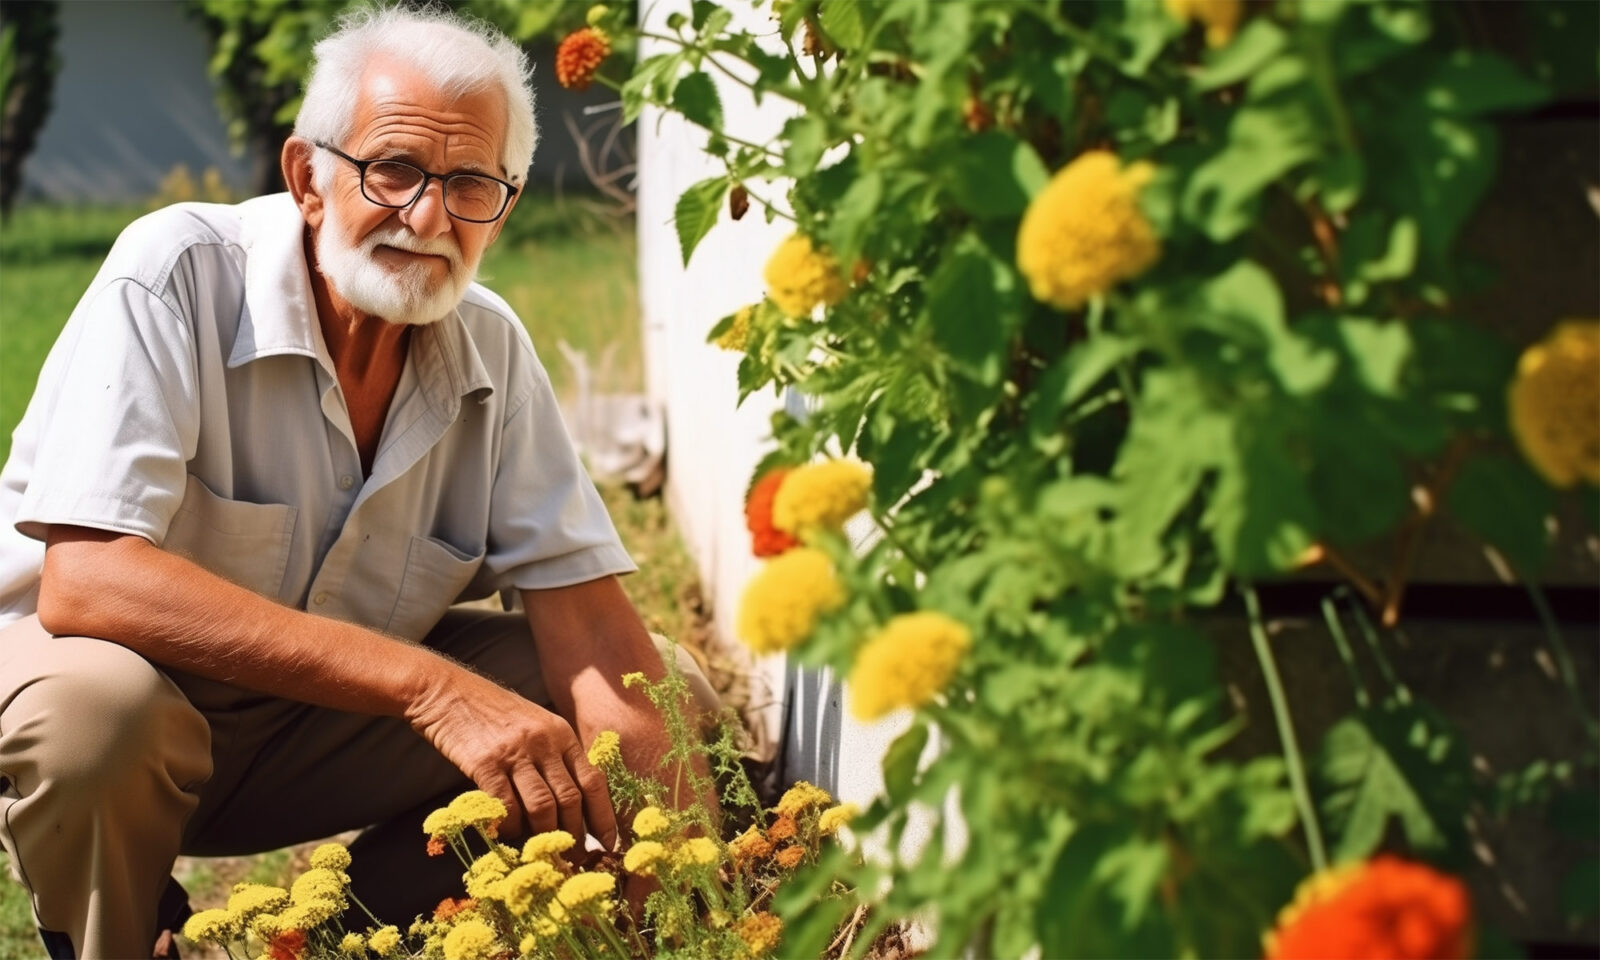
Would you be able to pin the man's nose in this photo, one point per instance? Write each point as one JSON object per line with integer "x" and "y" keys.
{"x": 426, "y": 217}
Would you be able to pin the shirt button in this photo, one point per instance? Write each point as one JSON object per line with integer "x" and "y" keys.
{"x": 346, "y": 482}
{"x": 320, "y": 599}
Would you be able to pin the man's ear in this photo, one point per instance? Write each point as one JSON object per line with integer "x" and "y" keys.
{"x": 297, "y": 176}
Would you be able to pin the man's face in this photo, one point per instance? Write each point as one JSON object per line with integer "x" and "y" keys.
{"x": 411, "y": 265}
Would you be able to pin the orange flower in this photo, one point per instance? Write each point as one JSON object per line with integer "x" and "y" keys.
{"x": 766, "y": 540}
{"x": 287, "y": 945}
{"x": 448, "y": 908}
{"x": 579, "y": 55}
{"x": 1383, "y": 908}
{"x": 782, "y": 829}
{"x": 789, "y": 857}
{"x": 435, "y": 846}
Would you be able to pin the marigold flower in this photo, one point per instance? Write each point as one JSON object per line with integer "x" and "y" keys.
{"x": 547, "y": 845}
{"x": 766, "y": 540}
{"x": 1382, "y": 908}
{"x": 606, "y": 749}
{"x": 579, "y": 56}
{"x": 696, "y": 852}
{"x": 250, "y": 899}
{"x": 288, "y": 945}
{"x": 470, "y": 940}
{"x": 318, "y": 883}
{"x": 435, "y": 846}
{"x": 802, "y": 797}
{"x": 781, "y": 604}
{"x": 353, "y": 944}
{"x": 737, "y": 336}
{"x": 782, "y": 828}
{"x": 821, "y": 496}
{"x": 835, "y": 817}
{"x": 585, "y": 887}
{"x": 800, "y": 277}
{"x": 331, "y": 856}
{"x": 478, "y": 809}
{"x": 1084, "y": 232}
{"x": 1554, "y": 402}
{"x": 1220, "y": 17}
{"x": 748, "y": 846}
{"x": 384, "y": 940}
{"x": 910, "y": 660}
{"x": 650, "y": 821}
{"x": 789, "y": 857}
{"x": 219, "y": 925}
{"x": 521, "y": 884}
{"x": 759, "y": 931}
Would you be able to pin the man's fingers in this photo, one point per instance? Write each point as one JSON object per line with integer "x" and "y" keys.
{"x": 569, "y": 804}
{"x": 596, "y": 797}
{"x": 538, "y": 803}
{"x": 496, "y": 785}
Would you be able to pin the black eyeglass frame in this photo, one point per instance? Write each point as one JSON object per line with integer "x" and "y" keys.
{"x": 443, "y": 178}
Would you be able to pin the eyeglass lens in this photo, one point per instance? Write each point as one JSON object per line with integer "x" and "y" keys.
{"x": 396, "y": 184}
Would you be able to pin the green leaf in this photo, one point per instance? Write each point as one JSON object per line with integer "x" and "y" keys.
{"x": 697, "y": 99}
{"x": 1261, "y": 514}
{"x": 702, "y": 10}
{"x": 843, "y": 21}
{"x": 901, "y": 759}
{"x": 805, "y": 139}
{"x": 1470, "y": 82}
{"x": 1255, "y": 45}
{"x": 1503, "y": 501}
{"x": 1266, "y": 140}
{"x": 974, "y": 302}
{"x": 853, "y": 216}
{"x": 697, "y": 211}
{"x": 995, "y": 174}
{"x": 1088, "y": 362}
{"x": 1377, "y": 352}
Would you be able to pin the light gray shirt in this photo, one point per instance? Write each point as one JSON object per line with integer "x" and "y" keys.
{"x": 191, "y": 400}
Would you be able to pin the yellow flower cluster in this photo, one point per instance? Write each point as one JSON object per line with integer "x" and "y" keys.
{"x": 212, "y": 925}
{"x": 835, "y": 817}
{"x": 1084, "y": 232}
{"x": 781, "y": 604}
{"x": 483, "y": 878}
{"x": 650, "y": 821}
{"x": 910, "y": 660}
{"x": 251, "y": 899}
{"x": 584, "y": 888}
{"x": 1554, "y": 404}
{"x": 800, "y": 277}
{"x": 737, "y": 336}
{"x": 471, "y": 809}
{"x": 470, "y": 940}
{"x": 354, "y": 945}
{"x": 760, "y": 932}
{"x": 801, "y": 797}
{"x": 384, "y": 941}
{"x": 1220, "y": 17}
{"x": 642, "y": 857}
{"x": 820, "y": 496}
{"x": 331, "y": 856}
{"x": 547, "y": 845}
{"x": 522, "y": 884}
{"x": 606, "y": 749}
{"x": 696, "y": 852}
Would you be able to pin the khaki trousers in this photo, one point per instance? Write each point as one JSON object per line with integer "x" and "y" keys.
{"x": 112, "y": 767}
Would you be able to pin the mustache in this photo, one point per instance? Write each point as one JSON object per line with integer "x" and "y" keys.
{"x": 402, "y": 239}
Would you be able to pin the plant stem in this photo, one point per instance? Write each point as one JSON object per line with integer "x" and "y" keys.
{"x": 1291, "y": 749}
{"x": 1330, "y": 613}
{"x": 1563, "y": 657}
{"x": 1401, "y": 691}
{"x": 706, "y": 55}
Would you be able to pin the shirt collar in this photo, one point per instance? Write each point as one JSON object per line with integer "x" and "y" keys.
{"x": 280, "y": 311}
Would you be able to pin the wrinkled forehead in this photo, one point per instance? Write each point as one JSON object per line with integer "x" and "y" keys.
{"x": 399, "y": 105}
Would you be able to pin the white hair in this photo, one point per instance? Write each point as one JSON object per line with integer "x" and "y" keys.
{"x": 455, "y": 54}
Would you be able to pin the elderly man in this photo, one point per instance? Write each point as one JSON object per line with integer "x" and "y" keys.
{"x": 273, "y": 444}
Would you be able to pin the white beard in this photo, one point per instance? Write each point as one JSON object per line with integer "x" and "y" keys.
{"x": 404, "y": 295}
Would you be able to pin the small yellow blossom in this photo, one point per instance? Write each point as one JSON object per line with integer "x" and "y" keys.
{"x": 629, "y": 680}
{"x": 782, "y": 602}
{"x": 472, "y": 940}
{"x": 696, "y": 852}
{"x": 529, "y": 944}
{"x": 650, "y": 821}
{"x": 606, "y": 749}
{"x": 1554, "y": 403}
{"x": 250, "y": 899}
{"x": 545, "y": 846}
{"x": 1220, "y": 17}
{"x": 307, "y": 914}
{"x": 799, "y": 277}
{"x": 331, "y": 856}
{"x": 522, "y": 884}
{"x": 353, "y": 944}
{"x": 907, "y": 663}
{"x": 760, "y": 932}
{"x": 737, "y": 336}
{"x": 483, "y": 878}
{"x": 216, "y": 925}
{"x": 1084, "y": 232}
{"x": 801, "y": 797}
{"x": 266, "y": 926}
{"x": 585, "y": 887}
{"x": 318, "y": 883}
{"x": 641, "y": 858}
{"x": 442, "y": 822}
{"x": 835, "y": 817}
{"x": 821, "y": 496}
{"x": 384, "y": 940}
{"x": 478, "y": 809}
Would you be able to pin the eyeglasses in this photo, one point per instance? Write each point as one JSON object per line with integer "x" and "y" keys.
{"x": 474, "y": 197}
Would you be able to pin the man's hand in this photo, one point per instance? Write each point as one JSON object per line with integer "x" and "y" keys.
{"x": 519, "y": 752}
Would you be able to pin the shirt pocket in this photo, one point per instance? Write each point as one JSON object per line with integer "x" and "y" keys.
{"x": 247, "y": 543}
{"x": 436, "y": 574}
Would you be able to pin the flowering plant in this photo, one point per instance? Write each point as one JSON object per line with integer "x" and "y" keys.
{"x": 1132, "y": 309}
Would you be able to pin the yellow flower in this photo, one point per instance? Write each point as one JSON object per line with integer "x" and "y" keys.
{"x": 799, "y": 277}
{"x": 737, "y": 336}
{"x": 802, "y": 796}
{"x": 759, "y": 931}
{"x": 781, "y": 605}
{"x": 630, "y": 679}
{"x": 1555, "y": 404}
{"x": 522, "y": 883}
{"x": 1221, "y": 17}
{"x": 1084, "y": 232}
{"x": 266, "y": 926}
{"x": 478, "y": 809}
{"x": 354, "y": 944}
{"x": 650, "y": 821}
{"x": 218, "y": 925}
{"x": 696, "y": 852}
{"x": 472, "y": 940}
{"x": 585, "y": 887}
{"x": 318, "y": 883}
{"x": 310, "y": 913}
{"x": 250, "y": 899}
{"x": 384, "y": 940}
{"x": 835, "y": 817}
{"x": 529, "y": 944}
{"x": 331, "y": 856}
{"x": 606, "y": 749}
{"x": 483, "y": 877}
{"x": 442, "y": 822}
{"x": 642, "y": 856}
{"x": 820, "y": 495}
{"x": 544, "y": 846}
{"x": 907, "y": 663}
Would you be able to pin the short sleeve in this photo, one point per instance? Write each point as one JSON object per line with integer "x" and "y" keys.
{"x": 547, "y": 524}
{"x": 113, "y": 435}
